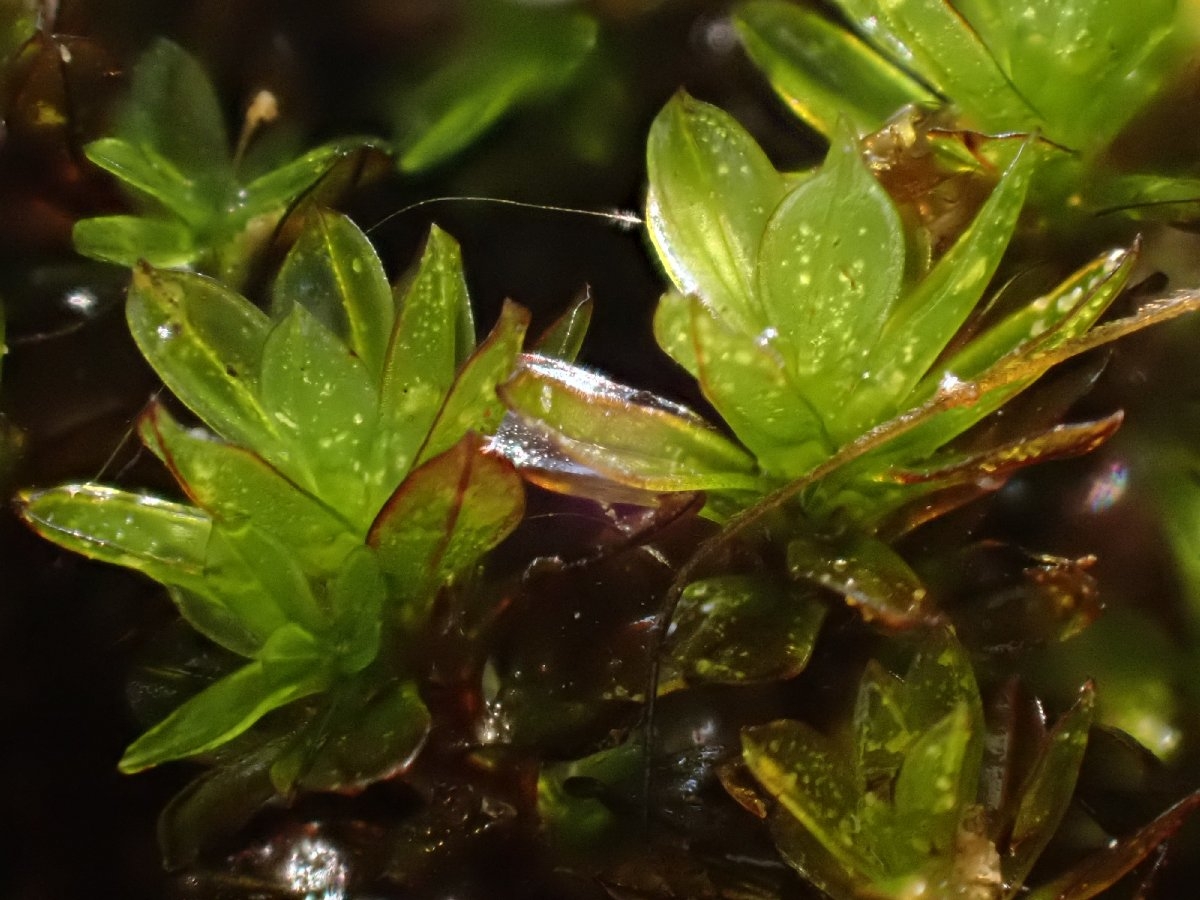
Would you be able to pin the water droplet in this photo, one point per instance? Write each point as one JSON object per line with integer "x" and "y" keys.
{"x": 82, "y": 301}
{"x": 167, "y": 330}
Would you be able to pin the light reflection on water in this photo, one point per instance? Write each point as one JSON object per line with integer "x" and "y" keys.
{"x": 316, "y": 870}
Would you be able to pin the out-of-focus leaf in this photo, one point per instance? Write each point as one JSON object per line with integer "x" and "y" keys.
{"x": 234, "y": 484}
{"x": 564, "y": 338}
{"x": 932, "y": 39}
{"x": 1047, "y": 791}
{"x": 829, "y": 271}
{"x": 445, "y": 515}
{"x": 290, "y": 667}
{"x": 367, "y": 732}
{"x": 168, "y": 83}
{"x": 323, "y": 402}
{"x": 1104, "y": 868}
{"x": 354, "y": 599}
{"x": 473, "y": 404}
{"x": 433, "y": 334}
{"x": 206, "y": 344}
{"x": 333, "y": 271}
{"x": 127, "y": 239}
{"x": 736, "y": 628}
{"x": 866, "y": 572}
{"x": 526, "y": 57}
{"x": 711, "y": 192}
{"x": 616, "y": 431}
{"x": 822, "y": 72}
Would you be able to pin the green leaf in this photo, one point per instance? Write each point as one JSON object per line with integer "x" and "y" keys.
{"x": 234, "y": 484}
{"x": 333, "y": 272}
{"x": 281, "y": 186}
{"x": 368, "y": 732}
{"x": 527, "y": 56}
{"x": 473, "y": 404}
{"x": 1047, "y": 791}
{"x": 433, "y": 334}
{"x": 747, "y": 381}
{"x": 822, "y": 72}
{"x": 354, "y": 599}
{"x": 323, "y": 402}
{"x": 141, "y": 167}
{"x": 829, "y": 271}
{"x": 206, "y": 344}
{"x": 711, "y": 192}
{"x": 291, "y": 668}
{"x": 866, "y": 572}
{"x": 564, "y": 338}
{"x": 734, "y": 629}
{"x": 441, "y": 520}
{"x": 174, "y": 111}
{"x": 615, "y": 431}
{"x": 127, "y": 240}
{"x": 928, "y": 316}
{"x": 809, "y": 778}
{"x": 881, "y": 733}
{"x": 934, "y": 41}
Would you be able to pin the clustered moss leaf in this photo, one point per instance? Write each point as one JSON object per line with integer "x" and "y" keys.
{"x": 323, "y": 514}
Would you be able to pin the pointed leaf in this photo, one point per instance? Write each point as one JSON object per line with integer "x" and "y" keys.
{"x": 564, "y": 338}
{"x": 822, "y": 72}
{"x": 881, "y": 733}
{"x": 473, "y": 404}
{"x": 1105, "y": 867}
{"x": 127, "y": 240}
{"x": 281, "y": 186}
{"x": 933, "y": 40}
{"x": 433, "y": 334}
{"x": 615, "y": 431}
{"x": 206, "y": 343}
{"x": 441, "y": 520}
{"x": 222, "y": 712}
{"x": 234, "y": 484}
{"x": 829, "y": 271}
{"x": 711, "y": 192}
{"x": 734, "y": 629}
{"x": 929, "y": 315}
{"x": 333, "y": 272}
{"x": 324, "y": 405}
{"x": 1047, "y": 791}
{"x": 153, "y": 175}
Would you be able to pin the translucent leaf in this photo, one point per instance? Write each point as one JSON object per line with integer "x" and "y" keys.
{"x": 282, "y": 185}
{"x": 747, "y": 381}
{"x": 234, "y": 484}
{"x": 369, "y": 731}
{"x": 933, "y": 40}
{"x": 938, "y": 681}
{"x": 127, "y": 240}
{"x": 174, "y": 110}
{"x": 802, "y": 850}
{"x": 441, "y": 520}
{"x": 527, "y": 56}
{"x": 354, "y": 600}
{"x": 881, "y": 733}
{"x": 1047, "y": 791}
{"x": 735, "y": 629}
{"x": 822, "y": 72}
{"x": 333, "y": 271}
{"x": 615, "y": 430}
{"x": 291, "y": 668}
{"x": 1104, "y": 868}
{"x": 564, "y": 338}
{"x": 473, "y": 404}
{"x": 866, "y": 572}
{"x": 206, "y": 343}
{"x": 433, "y": 334}
{"x": 809, "y": 778}
{"x": 153, "y": 175}
{"x": 323, "y": 402}
{"x": 829, "y": 271}
{"x": 711, "y": 192}
{"x": 930, "y": 314}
